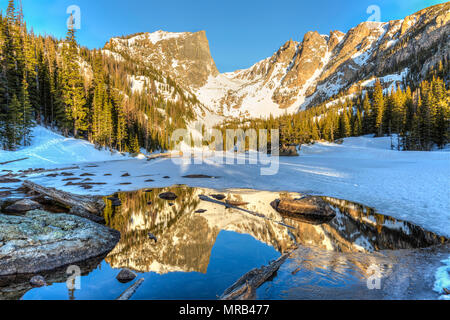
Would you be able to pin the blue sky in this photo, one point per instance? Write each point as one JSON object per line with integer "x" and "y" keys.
{"x": 240, "y": 32}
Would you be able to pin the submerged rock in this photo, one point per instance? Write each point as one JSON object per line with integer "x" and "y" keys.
{"x": 199, "y": 176}
{"x": 168, "y": 196}
{"x": 22, "y": 206}
{"x": 219, "y": 197}
{"x": 9, "y": 180}
{"x": 38, "y": 281}
{"x": 126, "y": 275}
{"x": 13, "y": 287}
{"x": 43, "y": 241}
{"x": 87, "y": 175}
{"x": 151, "y": 236}
{"x": 5, "y": 194}
{"x": 115, "y": 202}
{"x": 313, "y": 210}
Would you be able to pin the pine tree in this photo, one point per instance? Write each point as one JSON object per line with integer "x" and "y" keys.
{"x": 26, "y": 115}
{"x": 367, "y": 118}
{"x": 358, "y": 124}
{"x": 73, "y": 87}
{"x": 378, "y": 108}
{"x": 344, "y": 125}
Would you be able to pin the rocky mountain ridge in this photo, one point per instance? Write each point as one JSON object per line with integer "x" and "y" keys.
{"x": 300, "y": 74}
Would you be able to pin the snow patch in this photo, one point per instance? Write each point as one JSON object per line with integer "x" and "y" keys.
{"x": 443, "y": 279}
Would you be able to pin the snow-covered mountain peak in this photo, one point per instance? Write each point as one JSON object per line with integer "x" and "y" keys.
{"x": 299, "y": 74}
{"x": 184, "y": 57}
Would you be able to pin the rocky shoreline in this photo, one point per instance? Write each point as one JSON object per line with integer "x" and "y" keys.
{"x": 41, "y": 241}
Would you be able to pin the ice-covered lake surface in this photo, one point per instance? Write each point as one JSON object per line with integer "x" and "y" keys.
{"x": 411, "y": 186}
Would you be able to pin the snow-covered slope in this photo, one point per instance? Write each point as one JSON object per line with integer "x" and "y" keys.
{"x": 50, "y": 149}
{"x": 412, "y": 186}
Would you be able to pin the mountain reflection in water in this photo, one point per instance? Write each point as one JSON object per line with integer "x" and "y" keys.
{"x": 186, "y": 238}
{"x": 203, "y": 247}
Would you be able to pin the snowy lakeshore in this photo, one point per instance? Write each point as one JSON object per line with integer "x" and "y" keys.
{"x": 411, "y": 186}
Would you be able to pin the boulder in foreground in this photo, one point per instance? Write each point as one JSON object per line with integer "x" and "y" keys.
{"x": 126, "y": 275}
{"x": 42, "y": 241}
{"x": 312, "y": 210}
{"x": 22, "y": 206}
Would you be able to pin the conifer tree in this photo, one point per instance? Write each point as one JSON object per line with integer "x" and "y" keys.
{"x": 26, "y": 114}
{"x": 73, "y": 87}
{"x": 378, "y": 108}
{"x": 367, "y": 118}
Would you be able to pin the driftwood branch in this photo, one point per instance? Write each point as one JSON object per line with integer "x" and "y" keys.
{"x": 90, "y": 207}
{"x": 164, "y": 156}
{"x": 230, "y": 205}
{"x": 127, "y": 294}
{"x": 3, "y": 163}
{"x": 245, "y": 287}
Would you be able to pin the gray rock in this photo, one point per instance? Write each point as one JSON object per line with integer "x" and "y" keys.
{"x": 168, "y": 196}
{"x": 38, "y": 281}
{"x": 21, "y": 206}
{"x": 219, "y": 197}
{"x": 126, "y": 275}
{"x": 313, "y": 210}
{"x": 13, "y": 287}
{"x": 42, "y": 241}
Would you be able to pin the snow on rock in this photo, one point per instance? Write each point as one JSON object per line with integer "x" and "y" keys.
{"x": 443, "y": 279}
{"x": 160, "y": 35}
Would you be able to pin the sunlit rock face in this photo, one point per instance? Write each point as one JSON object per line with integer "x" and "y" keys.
{"x": 184, "y": 56}
{"x": 357, "y": 228}
{"x": 186, "y": 228}
{"x": 299, "y": 74}
{"x": 185, "y": 238}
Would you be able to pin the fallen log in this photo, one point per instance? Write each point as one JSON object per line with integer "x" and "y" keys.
{"x": 91, "y": 204}
{"x": 127, "y": 294}
{"x": 7, "y": 162}
{"x": 230, "y": 206}
{"x": 245, "y": 287}
{"x": 164, "y": 156}
{"x": 80, "y": 212}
